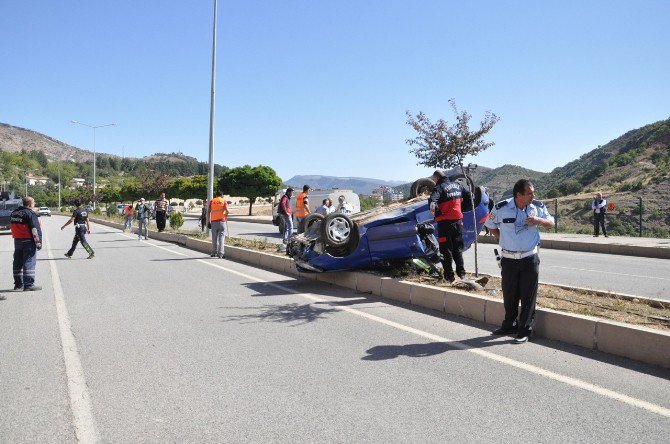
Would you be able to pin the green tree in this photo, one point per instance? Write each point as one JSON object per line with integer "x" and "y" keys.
{"x": 245, "y": 181}
{"x": 444, "y": 145}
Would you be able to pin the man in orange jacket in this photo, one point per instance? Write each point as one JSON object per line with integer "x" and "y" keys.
{"x": 216, "y": 220}
{"x": 302, "y": 208}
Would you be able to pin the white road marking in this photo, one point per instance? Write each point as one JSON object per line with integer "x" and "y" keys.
{"x": 80, "y": 400}
{"x": 574, "y": 382}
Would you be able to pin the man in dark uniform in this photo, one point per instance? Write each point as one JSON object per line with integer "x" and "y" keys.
{"x": 27, "y": 235}
{"x": 161, "y": 208}
{"x": 514, "y": 222}
{"x": 445, "y": 203}
{"x": 81, "y": 229}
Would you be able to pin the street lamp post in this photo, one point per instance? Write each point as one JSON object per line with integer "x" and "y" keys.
{"x": 210, "y": 179}
{"x": 94, "y": 127}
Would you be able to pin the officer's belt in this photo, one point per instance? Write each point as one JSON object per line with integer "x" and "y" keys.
{"x": 518, "y": 254}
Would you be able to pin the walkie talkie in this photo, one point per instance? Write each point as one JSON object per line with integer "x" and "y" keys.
{"x": 498, "y": 258}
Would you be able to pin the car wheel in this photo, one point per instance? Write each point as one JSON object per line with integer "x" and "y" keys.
{"x": 420, "y": 187}
{"x": 312, "y": 222}
{"x": 337, "y": 229}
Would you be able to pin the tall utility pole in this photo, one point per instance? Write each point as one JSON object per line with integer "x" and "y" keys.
{"x": 210, "y": 180}
{"x": 94, "y": 127}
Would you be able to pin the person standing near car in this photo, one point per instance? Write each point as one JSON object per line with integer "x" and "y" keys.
{"x": 216, "y": 221}
{"x": 326, "y": 208}
{"x": 81, "y": 229}
{"x": 514, "y": 222}
{"x": 142, "y": 214}
{"x": 344, "y": 207}
{"x": 27, "y": 235}
{"x": 161, "y": 208}
{"x": 128, "y": 215}
{"x": 445, "y": 204}
{"x": 286, "y": 213}
{"x": 599, "y": 207}
{"x": 302, "y": 208}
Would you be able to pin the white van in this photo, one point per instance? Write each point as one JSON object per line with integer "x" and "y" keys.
{"x": 315, "y": 201}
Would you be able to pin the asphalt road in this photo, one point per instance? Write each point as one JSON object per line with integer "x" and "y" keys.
{"x": 637, "y": 276}
{"x": 168, "y": 345}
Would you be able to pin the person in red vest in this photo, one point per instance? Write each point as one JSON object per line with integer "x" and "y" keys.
{"x": 216, "y": 221}
{"x": 445, "y": 203}
{"x": 27, "y": 235}
{"x": 302, "y": 208}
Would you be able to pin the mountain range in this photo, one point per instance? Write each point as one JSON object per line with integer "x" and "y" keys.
{"x": 359, "y": 185}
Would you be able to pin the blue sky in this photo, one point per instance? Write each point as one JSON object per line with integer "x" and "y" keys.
{"x": 311, "y": 87}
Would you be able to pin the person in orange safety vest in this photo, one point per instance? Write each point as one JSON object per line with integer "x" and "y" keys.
{"x": 302, "y": 208}
{"x": 216, "y": 221}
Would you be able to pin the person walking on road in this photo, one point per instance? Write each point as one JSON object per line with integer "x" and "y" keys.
{"x": 514, "y": 222}
{"x": 445, "y": 204}
{"x": 81, "y": 229}
{"x": 302, "y": 208}
{"x": 142, "y": 212}
{"x": 128, "y": 215}
{"x": 27, "y": 235}
{"x": 599, "y": 206}
{"x": 286, "y": 212}
{"x": 216, "y": 220}
{"x": 161, "y": 208}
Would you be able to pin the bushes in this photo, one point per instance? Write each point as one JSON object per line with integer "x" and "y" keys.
{"x": 176, "y": 220}
{"x": 97, "y": 211}
{"x": 111, "y": 210}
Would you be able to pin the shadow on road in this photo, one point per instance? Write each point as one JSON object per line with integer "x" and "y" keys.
{"x": 384, "y": 352}
{"x": 287, "y": 313}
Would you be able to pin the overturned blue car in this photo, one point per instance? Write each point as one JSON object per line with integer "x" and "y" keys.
{"x": 400, "y": 231}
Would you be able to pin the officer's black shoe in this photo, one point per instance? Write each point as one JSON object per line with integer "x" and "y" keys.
{"x": 18, "y": 288}
{"x": 223, "y": 256}
{"x": 506, "y": 329}
{"x": 32, "y": 288}
{"x": 212, "y": 255}
{"x": 91, "y": 256}
{"x": 68, "y": 256}
{"x": 522, "y": 337}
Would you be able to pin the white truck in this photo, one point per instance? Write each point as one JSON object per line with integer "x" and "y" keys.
{"x": 316, "y": 198}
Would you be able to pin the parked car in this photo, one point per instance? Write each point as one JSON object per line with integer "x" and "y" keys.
{"x": 44, "y": 211}
{"x": 400, "y": 231}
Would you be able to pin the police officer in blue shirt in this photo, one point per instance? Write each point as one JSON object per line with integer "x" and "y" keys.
{"x": 515, "y": 223}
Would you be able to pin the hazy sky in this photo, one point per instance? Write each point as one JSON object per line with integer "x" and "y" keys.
{"x": 321, "y": 87}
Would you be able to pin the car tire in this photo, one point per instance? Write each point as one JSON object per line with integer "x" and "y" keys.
{"x": 421, "y": 186}
{"x": 311, "y": 220}
{"x": 337, "y": 230}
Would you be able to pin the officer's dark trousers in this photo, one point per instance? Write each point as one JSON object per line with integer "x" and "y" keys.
{"x": 599, "y": 221}
{"x": 519, "y": 283}
{"x": 450, "y": 237}
{"x": 160, "y": 220}
{"x": 80, "y": 236}
{"x": 25, "y": 259}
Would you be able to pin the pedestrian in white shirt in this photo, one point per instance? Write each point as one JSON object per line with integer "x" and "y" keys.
{"x": 599, "y": 207}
